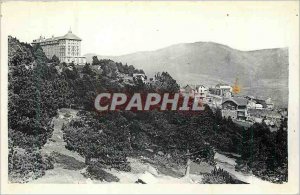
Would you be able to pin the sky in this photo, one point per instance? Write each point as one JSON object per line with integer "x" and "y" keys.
{"x": 117, "y": 28}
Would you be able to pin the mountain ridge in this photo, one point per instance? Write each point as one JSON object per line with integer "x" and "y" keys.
{"x": 209, "y": 63}
{"x": 145, "y": 51}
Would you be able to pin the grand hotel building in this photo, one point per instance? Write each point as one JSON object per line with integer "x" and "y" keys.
{"x": 67, "y": 48}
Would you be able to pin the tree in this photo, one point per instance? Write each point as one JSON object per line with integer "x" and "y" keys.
{"x": 164, "y": 83}
{"x": 281, "y": 149}
{"x": 32, "y": 95}
{"x": 190, "y": 141}
{"x": 55, "y": 60}
{"x": 95, "y": 61}
{"x": 219, "y": 115}
{"x": 105, "y": 141}
{"x": 131, "y": 70}
{"x": 265, "y": 152}
{"x": 87, "y": 70}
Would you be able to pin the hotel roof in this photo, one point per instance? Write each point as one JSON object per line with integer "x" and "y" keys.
{"x": 68, "y": 36}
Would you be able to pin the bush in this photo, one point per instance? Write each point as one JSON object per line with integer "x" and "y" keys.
{"x": 67, "y": 115}
{"x": 28, "y": 141}
{"x": 106, "y": 141}
{"x": 279, "y": 175}
{"x": 26, "y": 165}
{"x": 218, "y": 176}
{"x": 115, "y": 162}
{"x": 94, "y": 171}
{"x": 264, "y": 153}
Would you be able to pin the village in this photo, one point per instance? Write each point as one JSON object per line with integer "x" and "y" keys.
{"x": 244, "y": 110}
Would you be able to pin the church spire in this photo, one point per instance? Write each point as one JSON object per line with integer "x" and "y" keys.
{"x": 70, "y": 30}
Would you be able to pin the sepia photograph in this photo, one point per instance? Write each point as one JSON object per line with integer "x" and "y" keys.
{"x": 191, "y": 93}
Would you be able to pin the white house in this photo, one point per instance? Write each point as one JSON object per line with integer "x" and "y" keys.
{"x": 222, "y": 90}
{"x": 258, "y": 106}
{"x": 143, "y": 77}
{"x": 201, "y": 93}
{"x": 270, "y": 104}
{"x": 251, "y": 104}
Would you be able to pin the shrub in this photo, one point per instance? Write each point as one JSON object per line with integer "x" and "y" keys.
{"x": 67, "y": 115}
{"x": 94, "y": 139}
{"x": 218, "y": 176}
{"x": 95, "y": 171}
{"x": 28, "y": 141}
{"x": 26, "y": 165}
{"x": 115, "y": 162}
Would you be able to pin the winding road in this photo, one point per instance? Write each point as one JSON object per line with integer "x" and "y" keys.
{"x": 228, "y": 164}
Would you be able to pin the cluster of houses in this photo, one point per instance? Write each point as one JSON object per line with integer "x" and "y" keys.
{"x": 247, "y": 109}
{"x": 238, "y": 108}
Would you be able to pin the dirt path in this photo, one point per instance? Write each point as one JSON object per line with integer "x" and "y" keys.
{"x": 228, "y": 164}
{"x": 68, "y": 165}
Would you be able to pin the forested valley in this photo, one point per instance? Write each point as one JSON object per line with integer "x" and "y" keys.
{"x": 38, "y": 87}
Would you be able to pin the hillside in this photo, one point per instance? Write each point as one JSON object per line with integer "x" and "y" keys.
{"x": 49, "y": 143}
{"x": 261, "y": 73}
